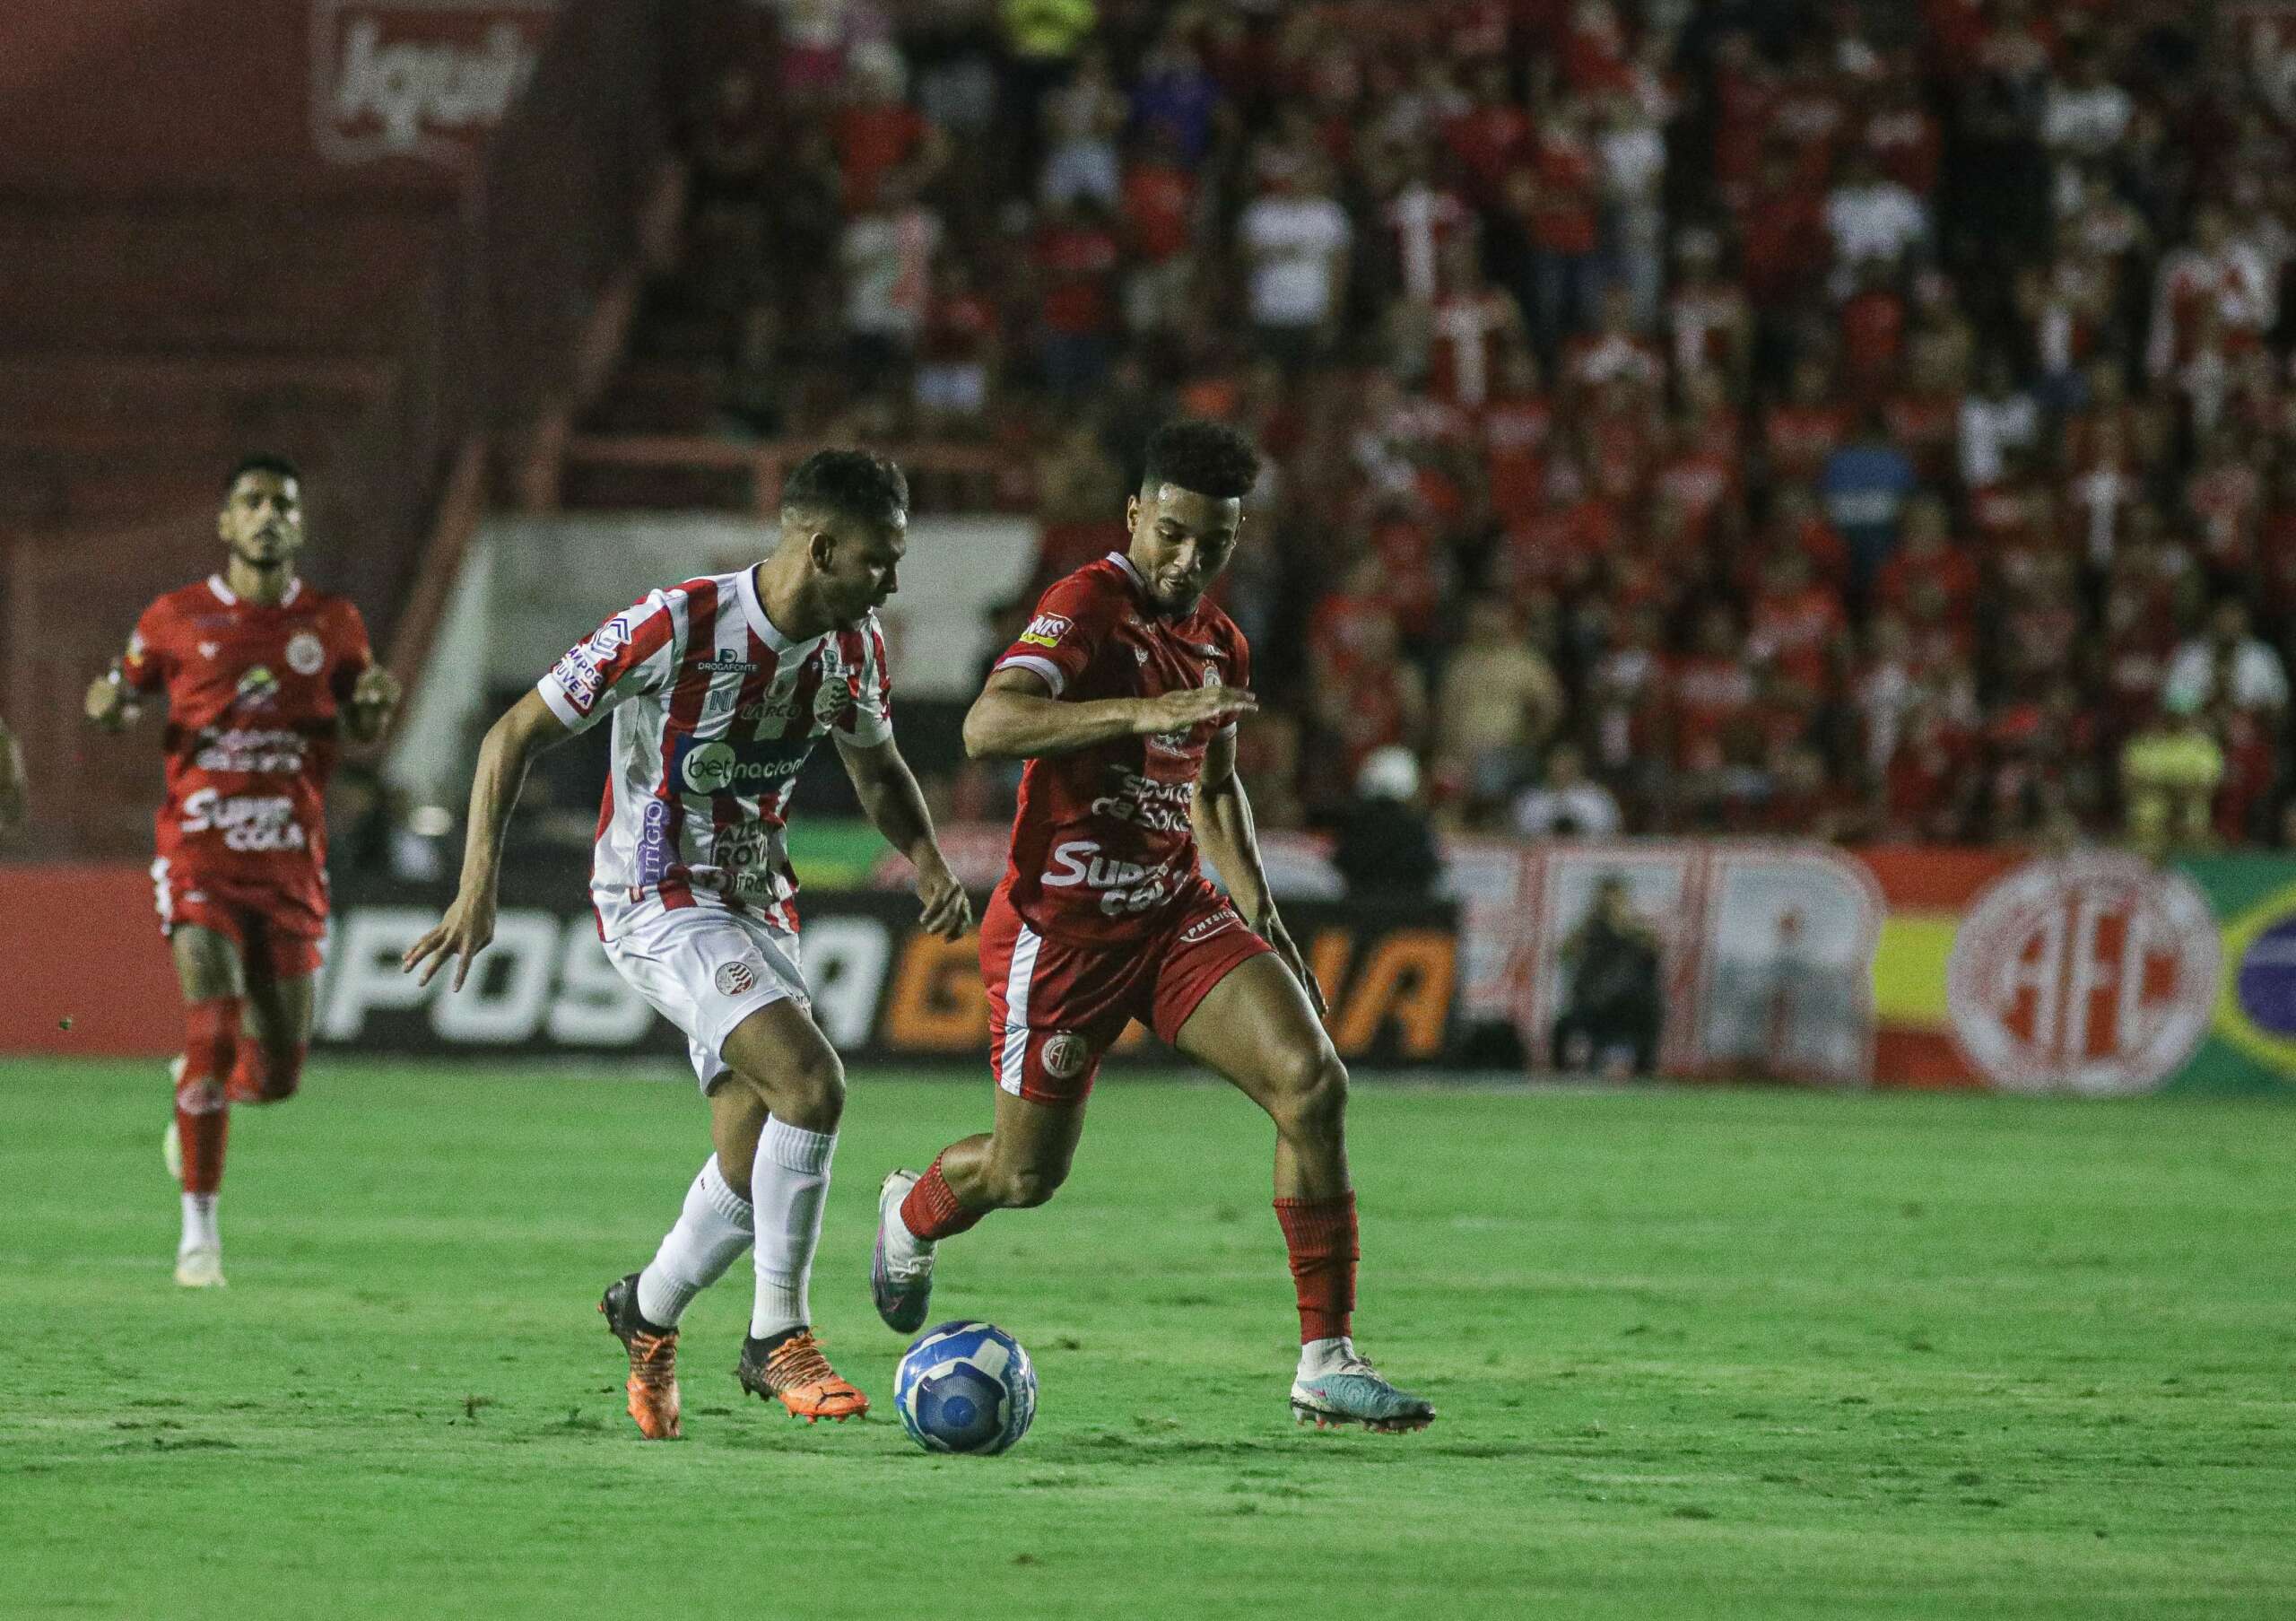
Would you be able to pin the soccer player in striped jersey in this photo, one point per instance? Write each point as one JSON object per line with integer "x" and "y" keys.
{"x": 719, "y": 688}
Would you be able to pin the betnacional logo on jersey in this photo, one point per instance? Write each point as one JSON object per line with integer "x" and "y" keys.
{"x": 734, "y": 979}
{"x": 306, "y": 653}
{"x": 1065, "y": 1055}
{"x": 718, "y": 767}
{"x": 422, "y": 79}
{"x": 1046, "y": 630}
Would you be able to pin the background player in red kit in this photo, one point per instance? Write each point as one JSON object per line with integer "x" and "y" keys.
{"x": 1122, "y": 694}
{"x": 262, "y": 673}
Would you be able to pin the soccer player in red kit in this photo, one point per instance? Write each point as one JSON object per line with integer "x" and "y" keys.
{"x": 1122, "y": 695}
{"x": 263, "y": 675}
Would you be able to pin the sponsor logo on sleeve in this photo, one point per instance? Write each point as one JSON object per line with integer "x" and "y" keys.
{"x": 578, "y": 676}
{"x": 1046, "y": 630}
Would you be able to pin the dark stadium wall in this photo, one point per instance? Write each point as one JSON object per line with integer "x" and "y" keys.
{"x": 239, "y": 97}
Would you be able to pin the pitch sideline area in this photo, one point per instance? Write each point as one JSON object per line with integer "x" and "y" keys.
{"x": 1698, "y": 1354}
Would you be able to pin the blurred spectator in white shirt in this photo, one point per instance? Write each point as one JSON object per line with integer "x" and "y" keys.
{"x": 2228, "y": 664}
{"x": 1569, "y": 803}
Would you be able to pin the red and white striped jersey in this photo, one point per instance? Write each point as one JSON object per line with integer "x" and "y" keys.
{"x": 715, "y": 712}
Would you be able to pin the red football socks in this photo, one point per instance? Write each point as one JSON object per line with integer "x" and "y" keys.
{"x": 211, "y": 1034}
{"x": 1320, "y": 1234}
{"x": 931, "y": 1210}
{"x": 257, "y": 1079}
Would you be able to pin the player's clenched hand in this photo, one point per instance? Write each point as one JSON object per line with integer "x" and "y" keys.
{"x": 1191, "y": 706}
{"x": 375, "y": 689}
{"x": 1272, "y": 930}
{"x": 948, "y": 909}
{"x": 466, "y": 929}
{"x": 107, "y": 702}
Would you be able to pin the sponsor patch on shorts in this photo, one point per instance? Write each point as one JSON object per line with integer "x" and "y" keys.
{"x": 734, "y": 979}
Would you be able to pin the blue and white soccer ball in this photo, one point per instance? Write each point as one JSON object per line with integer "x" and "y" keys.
{"x": 965, "y": 1387}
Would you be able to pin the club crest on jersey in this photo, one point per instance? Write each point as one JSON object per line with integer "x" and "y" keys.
{"x": 1046, "y": 630}
{"x": 258, "y": 689}
{"x": 735, "y": 977}
{"x": 1065, "y": 1055}
{"x": 305, "y": 653}
{"x": 834, "y": 699}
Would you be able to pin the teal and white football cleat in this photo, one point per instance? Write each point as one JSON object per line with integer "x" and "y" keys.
{"x": 900, "y": 1272}
{"x": 1357, "y": 1393}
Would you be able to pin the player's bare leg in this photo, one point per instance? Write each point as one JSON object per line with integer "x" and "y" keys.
{"x": 1019, "y": 1164}
{"x": 214, "y": 989}
{"x": 1255, "y": 1027}
{"x": 780, "y": 1127}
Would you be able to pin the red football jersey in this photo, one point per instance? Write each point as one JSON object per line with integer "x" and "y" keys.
{"x": 254, "y": 695}
{"x": 1103, "y": 845}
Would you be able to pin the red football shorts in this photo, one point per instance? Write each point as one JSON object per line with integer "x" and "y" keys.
{"x": 272, "y": 929}
{"x": 1055, "y": 1007}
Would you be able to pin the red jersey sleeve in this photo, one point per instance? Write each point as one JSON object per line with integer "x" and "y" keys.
{"x": 348, "y": 648}
{"x": 633, "y": 652}
{"x": 144, "y": 667}
{"x": 1239, "y": 653}
{"x": 1071, "y": 622}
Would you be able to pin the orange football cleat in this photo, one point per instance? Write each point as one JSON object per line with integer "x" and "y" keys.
{"x": 653, "y": 1383}
{"x": 795, "y": 1373}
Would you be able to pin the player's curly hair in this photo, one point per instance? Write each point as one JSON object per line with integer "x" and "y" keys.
{"x": 261, "y": 461}
{"x": 857, "y": 484}
{"x": 1210, "y": 458}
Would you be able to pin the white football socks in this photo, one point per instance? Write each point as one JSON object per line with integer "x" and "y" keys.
{"x": 711, "y": 1232}
{"x": 199, "y": 1224}
{"x": 1320, "y": 1358}
{"x": 788, "y": 1187}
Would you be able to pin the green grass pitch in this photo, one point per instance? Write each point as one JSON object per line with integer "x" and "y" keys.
{"x": 1698, "y": 1354}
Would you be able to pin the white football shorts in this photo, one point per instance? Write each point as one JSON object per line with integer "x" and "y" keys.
{"x": 705, "y": 969}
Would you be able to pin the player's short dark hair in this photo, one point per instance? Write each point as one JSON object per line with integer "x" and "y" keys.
{"x": 857, "y": 483}
{"x": 261, "y": 461}
{"x": 1210, "y": 458}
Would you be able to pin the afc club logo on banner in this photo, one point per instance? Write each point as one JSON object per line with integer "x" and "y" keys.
{"x": 2092, "y": 973}
{"x": 425, "y": 79}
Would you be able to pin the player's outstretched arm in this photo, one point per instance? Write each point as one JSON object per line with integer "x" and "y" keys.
{"x": 895, "y": 807}
{"x": 511, "y": 743}
{"x": 1222, "y": 817}
{"x": 1017, "y": 717}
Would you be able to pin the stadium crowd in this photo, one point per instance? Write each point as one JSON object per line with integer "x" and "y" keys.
{"x": 1867, "y": 422}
